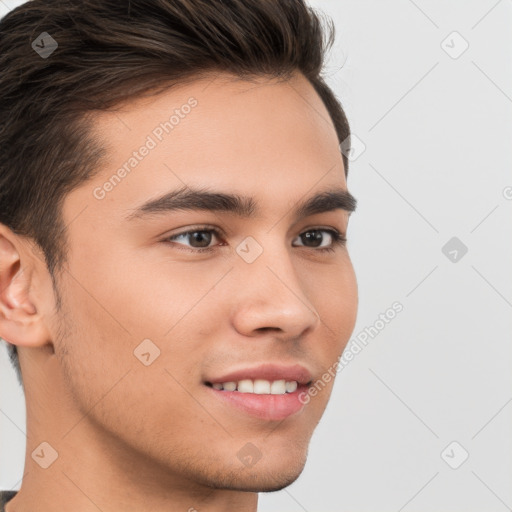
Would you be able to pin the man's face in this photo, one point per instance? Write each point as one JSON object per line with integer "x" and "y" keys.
{"x": 264, "y": 293}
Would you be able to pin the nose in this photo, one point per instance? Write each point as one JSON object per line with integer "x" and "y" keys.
{"x": 269, "y": 296}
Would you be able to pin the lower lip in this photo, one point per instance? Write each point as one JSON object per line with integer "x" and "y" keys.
{"x": 265, "y": 407}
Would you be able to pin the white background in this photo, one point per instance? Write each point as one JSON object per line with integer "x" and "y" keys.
{"x": 437, "y": 134}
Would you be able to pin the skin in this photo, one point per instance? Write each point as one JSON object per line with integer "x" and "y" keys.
{"x": 132, "y": 437}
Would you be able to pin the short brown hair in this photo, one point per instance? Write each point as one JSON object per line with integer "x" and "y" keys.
{"x": 110, "y": 51}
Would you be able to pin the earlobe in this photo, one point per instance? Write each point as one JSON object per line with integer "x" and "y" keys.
{"x": 20, "y": 322}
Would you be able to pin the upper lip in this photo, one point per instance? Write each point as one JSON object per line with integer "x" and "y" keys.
{"x": 267, "y": 371}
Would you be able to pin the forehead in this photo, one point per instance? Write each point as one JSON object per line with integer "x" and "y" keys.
{"x": 274, "y": 139}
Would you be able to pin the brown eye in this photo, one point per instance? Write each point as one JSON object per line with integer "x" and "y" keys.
{"x": 199, "y": 240}
{"x": 313, "y": 239}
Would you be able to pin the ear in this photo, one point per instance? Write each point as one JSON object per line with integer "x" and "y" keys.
{"x": 20, "y": 322}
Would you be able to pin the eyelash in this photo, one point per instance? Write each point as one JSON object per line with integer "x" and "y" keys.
{"x": 338, "y": 239}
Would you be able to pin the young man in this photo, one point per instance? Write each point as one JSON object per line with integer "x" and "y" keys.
{"x": 174, "y": 277}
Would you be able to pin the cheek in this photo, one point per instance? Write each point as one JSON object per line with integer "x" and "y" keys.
{"x": 115, "y": 390}
{"x": 333, "y": 292}
{"x": 122, "y": 308}
{"x": 348, "y": 300}
{"x": 156, "y": 296}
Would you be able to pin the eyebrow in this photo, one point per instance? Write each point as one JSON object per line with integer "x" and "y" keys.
{"x": 192, "y": 199}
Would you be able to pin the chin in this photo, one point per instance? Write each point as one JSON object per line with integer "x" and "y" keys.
{"x": 272, "y": 482}
{"x": 261, "y": 477}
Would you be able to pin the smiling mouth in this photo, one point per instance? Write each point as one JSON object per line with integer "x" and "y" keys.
{"x": 259, "y": 386}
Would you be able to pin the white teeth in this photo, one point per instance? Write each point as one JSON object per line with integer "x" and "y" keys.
{"x": 291, "y": 386}
{"x": 278, "y": 387}
{"x": 245, "y": 386}
{"x": 258, "y": 386}
{"x": 229, "y": 386}
{"x": 261, "y": 387}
